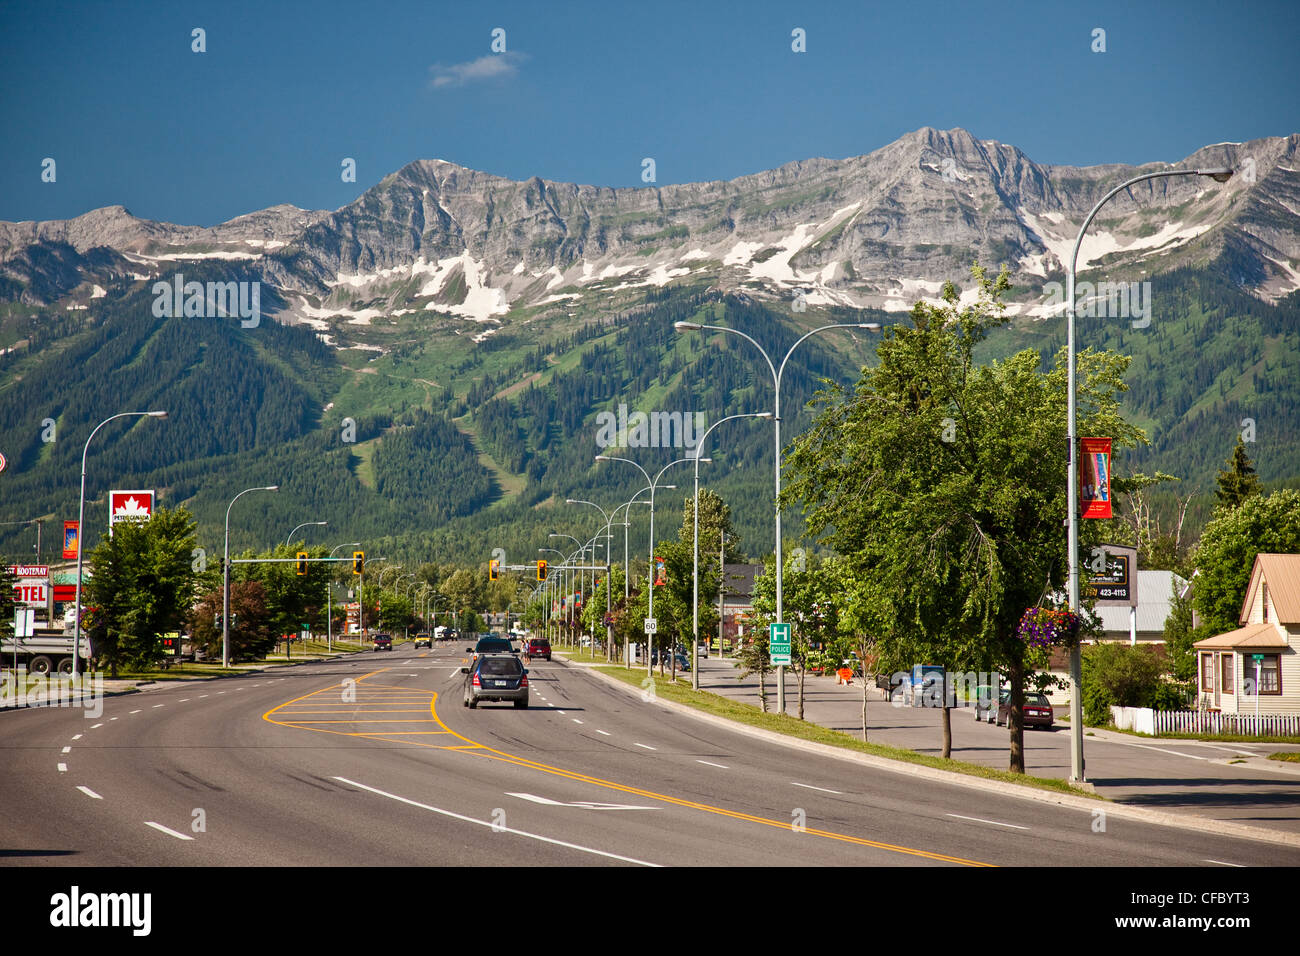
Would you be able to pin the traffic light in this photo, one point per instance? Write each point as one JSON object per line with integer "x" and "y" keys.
{"x": 302, "y": 562}
{"x": 358, "y": 562}
{"x": 541, "y": 570}
{"x": 494, "y": 570}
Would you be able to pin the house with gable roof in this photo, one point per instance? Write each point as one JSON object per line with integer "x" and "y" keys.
{"x": 1264, "y": 653}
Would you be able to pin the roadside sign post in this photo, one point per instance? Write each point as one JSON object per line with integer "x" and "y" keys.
{"x": 778, "y": 644}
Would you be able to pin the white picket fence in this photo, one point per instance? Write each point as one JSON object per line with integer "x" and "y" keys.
{"x": 1248, "y": 725}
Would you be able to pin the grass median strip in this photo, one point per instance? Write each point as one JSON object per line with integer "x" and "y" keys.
{"x": 681, "y": 693}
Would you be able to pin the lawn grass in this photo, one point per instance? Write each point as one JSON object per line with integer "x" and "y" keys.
{"x": 680, "y": 692}
{"x": 1288, "y": 757}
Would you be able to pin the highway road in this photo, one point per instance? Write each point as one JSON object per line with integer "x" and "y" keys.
{"x": 372, "y": 760}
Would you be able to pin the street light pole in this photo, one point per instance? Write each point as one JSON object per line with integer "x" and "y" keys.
{"x": 81, "y": 528}
{"x": 329, "y": 600}
{"x": 695, "y": 549}
{"x": 654, "y": 485}
{"x": 307, "y": 524}
{"x": 777, "y": 374}
{"x": 1221, "y": 175}
{"x": 225, "y": 578}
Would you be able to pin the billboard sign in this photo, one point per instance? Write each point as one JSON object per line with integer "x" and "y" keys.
{"x": 1112, "y": 576}
{"x": 129, "y": 506}
{"x": 32, "y": 584}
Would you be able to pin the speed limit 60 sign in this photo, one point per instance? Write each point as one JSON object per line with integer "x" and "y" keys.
{"x": 651, "y": 625}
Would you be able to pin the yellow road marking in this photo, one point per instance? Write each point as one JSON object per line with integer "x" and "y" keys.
{"x": 475, "y": 749}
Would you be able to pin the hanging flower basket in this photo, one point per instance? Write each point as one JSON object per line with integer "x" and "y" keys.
{"x": 1045, "y": 627}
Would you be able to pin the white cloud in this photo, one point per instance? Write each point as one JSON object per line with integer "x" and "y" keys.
{"x": 492, "y": 66}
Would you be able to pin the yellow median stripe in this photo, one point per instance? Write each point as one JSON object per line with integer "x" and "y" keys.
{"x": 473, "y": 748}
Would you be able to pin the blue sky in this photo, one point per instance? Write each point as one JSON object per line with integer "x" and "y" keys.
{"x": 585, "y": 91}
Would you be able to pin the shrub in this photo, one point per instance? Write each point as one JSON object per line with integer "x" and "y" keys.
{"x": 1123, "y": 676}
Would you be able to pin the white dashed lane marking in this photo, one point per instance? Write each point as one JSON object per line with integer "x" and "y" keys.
{"x": 647, "y": 747}
{"x": 76, "y": 736}
{"x": 63, "y": 768}
{"x": 709, "y": 763}
{"x": 605, "y": 732}
{"x": 67, "y": 750}
{"x": 90, "y": 793}
{"x": 168, "y": 830}
{"x": 810, "y": 787}
{"x": 993, "y": 822}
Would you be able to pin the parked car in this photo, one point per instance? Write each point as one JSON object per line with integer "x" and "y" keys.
{"x": 683, "y": 661}
{"x": 1037, "y": 712}
{"x": 424, "y": 639}
{"x": 537, "y": 647}
{"x": 496, "y": 677}
{"x": 383, "y": 642}
{"x": 985, "y": 708}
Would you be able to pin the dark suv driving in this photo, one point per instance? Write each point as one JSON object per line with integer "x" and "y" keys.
{"x": 383, "y": 642}
{"x": 537, "y": 647}
{"x": 496, "y": 677}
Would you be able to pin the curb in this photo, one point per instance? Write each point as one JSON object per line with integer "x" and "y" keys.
{"x": 1111, "y": 807}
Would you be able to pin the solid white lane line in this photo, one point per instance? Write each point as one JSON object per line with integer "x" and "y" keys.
{"x": 808, "y": 786}
{"x": 67, "y": 750}
{"x": 605, "y": 732}
{"x": 647, "y": 746}
{"x": 575, "y": 720}
{"x": 76, "y": 736}
{"x": 63, "y": 768}
{"x": 979, "y": 820}
{"x": 90, "y": 793}
{"x": 168, "y": 830}
{"x": 496, "y": 827}
{"x": 709, "y": 763}
{"x": 1240, "y": 866}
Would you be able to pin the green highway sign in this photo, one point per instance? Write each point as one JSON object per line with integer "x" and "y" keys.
{"x": 778, "y": 644}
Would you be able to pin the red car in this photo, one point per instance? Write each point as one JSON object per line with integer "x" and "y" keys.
{"x": 537, "y": 647}
{"x": 1037, "y": 712}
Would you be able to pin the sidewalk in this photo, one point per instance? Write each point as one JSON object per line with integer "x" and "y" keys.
{"x": 1226, "y": 781}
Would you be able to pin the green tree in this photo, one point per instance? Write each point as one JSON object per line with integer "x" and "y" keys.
{"x": 941, "y": 482}
{"x": 715, "y": 520}
{"x": 7, "y": 603}
{"x": 1267, "y": 524}
{"x": 1238, "y": 480}
{"x": 141, "y": 586}
{"x": 812, "y": 608}
{"x": 1179, "y": 637}
{"x": 1119, "y": 675}
{"x": 252, "y": 634}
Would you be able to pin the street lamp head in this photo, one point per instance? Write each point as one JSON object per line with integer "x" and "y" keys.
{"x": 271, "y": 488}
{"x": 687, "y": 326}
{"x": 157, "y": 414}
{"x": 870, "y": 326}
{"x": 764, "y": 415}
{"x": 602, "y": 458}
{"x": 1220, "y": 175}
{"x": 674, "y": 487}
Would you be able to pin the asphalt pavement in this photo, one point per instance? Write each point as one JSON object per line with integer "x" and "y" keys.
{"x": 372, "y": 760}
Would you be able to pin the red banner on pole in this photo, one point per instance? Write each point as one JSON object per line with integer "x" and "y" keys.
{"x": 661, "y": 571}
{"x": 1094, "y": 478}
{"x": 71, "y": 540}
